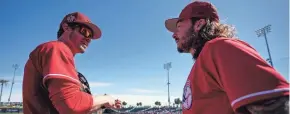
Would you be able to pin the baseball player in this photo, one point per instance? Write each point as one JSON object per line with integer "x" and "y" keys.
{"x": 228, "y": 76}
{"x": 51, "y": 84}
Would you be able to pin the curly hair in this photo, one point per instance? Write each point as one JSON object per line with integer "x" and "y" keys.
{"x": 212, "y": 30}
{"x": 59, "y": 32}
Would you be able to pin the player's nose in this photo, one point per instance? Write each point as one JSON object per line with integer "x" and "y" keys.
{"x": 174, "y": 36}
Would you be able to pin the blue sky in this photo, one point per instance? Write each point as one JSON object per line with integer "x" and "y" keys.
{"x": 127, "y": 61}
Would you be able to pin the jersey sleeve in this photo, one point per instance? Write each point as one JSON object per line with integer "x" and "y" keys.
{"x": 58, "y": 63}
{"x": 242, "y": 73}
{"x": 60, "y": 79}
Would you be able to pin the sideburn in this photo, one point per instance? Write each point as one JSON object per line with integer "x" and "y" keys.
{"x": 190, "y": 40}
{"x": 70, "y": 35}
{"x": 188, "y": 43}
{"x": 70, "y": 43}
{"x": 197, "y": 43}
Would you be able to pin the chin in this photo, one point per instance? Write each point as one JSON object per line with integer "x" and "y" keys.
{"x": 82, "y": 51}
{"x": 180, "y": 50}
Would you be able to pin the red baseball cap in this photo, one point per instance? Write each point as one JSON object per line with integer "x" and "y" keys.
{"x": 198, "y": 9}
{"x": 80, "y": 18}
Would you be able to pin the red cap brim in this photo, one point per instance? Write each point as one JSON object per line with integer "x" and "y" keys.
{"x": 170, "y": 24}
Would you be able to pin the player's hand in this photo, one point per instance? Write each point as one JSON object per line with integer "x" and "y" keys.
{"x": 112, "y": 103}
{"x": 118, "y": 104}
{"x": 105, "y": 101}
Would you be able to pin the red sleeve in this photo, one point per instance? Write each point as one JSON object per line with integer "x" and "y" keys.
{"x": 242, "y": 73}
{"x": 60, "y": 77}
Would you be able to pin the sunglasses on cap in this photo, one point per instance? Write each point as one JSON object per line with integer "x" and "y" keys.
{"x": 84, "y": 30}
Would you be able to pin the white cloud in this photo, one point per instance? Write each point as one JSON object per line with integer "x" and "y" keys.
{"x": 15, "y": 97}
{"x": 99, "y": 84}
{"x": 138, "y": 90}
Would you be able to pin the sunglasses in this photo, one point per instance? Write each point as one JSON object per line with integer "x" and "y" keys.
{"x": 85, "y": 31}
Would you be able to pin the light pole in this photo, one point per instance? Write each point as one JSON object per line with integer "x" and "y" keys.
{"x": 263, "y": 32}
{"x": 167, "y": 66}
{"x": 15, "y": 66}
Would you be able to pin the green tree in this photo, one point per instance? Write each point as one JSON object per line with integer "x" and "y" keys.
{"x": 3, "y": 83}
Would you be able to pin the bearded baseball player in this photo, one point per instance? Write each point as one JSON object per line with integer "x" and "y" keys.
{"x": 228, "y": 76}
{"x": 51, "y": 84}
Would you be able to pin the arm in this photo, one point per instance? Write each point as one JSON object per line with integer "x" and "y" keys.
{"x": 99, "y": 101}
{"x": 60, "y": 79}
{"x": 242, "y": 73}
{"x": 278, "y": 105}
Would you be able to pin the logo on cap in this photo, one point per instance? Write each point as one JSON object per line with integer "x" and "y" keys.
{"x": 71, "y": 18}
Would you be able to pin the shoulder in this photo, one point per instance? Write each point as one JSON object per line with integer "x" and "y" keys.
{"x": 228, "y": 45}
{"x": 52, "y": 48}
{"x": 57, "y": 45}
{"x": 221, "y": 42}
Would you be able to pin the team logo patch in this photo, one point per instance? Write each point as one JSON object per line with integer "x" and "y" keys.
{"x": 187, "y": 96}
{"x": 71, "y": 18}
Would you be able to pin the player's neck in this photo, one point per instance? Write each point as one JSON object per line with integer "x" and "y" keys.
{"x": 69, "y": 46}
{"x": 192, "y": 51}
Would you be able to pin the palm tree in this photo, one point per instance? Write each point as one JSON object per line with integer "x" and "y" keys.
{"x": 157, "y": 103}
{"x": 139, "y": 103}
{"x": 124, "y": 103}
{"x": 177, "y": 101}
{"x": 3, "y": 83}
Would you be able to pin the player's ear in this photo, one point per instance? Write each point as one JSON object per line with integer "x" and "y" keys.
{"x": 65, "y": 27}
{"x": 199, "y": 24}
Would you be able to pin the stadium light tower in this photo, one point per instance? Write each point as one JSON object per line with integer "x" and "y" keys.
{"x": 15, "y": 66}
{"x": 167, "y": 66}
{"x": 263, "y": 32}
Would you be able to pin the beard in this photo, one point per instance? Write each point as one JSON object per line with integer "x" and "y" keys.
{"x": 192, "y": 41}
{"x": 187, "y": 44}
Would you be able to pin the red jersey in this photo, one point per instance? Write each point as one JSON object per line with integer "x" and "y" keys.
{"x": 229, "y": 74}
{"x": 51, "y": 67}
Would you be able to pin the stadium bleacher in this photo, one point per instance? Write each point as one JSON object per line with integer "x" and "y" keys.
{"x": 16, "y": 107}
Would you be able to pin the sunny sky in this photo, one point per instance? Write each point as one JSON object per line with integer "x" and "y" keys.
{"x": 127, "y": 62}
